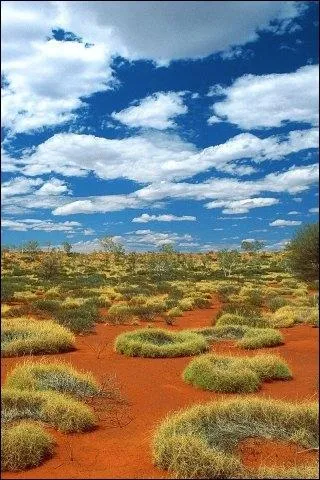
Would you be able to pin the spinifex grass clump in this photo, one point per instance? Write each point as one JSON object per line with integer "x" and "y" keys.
{"x": 201, "y": 442}
{"x": 234, "y": 319}
{"x": 52, "y": 376}
{"x": 22, "y": 336}
{"x": 227, "y": 374}
{"x": 156, "y": 342}
{"x": 246, "y": 337}
{"x": 290, "y": 315}
{"x": 260, "y": 338}
{"x": 24, "y": 446}
{"x": 58, "y": 410}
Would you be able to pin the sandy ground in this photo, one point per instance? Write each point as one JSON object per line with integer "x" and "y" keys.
{"x": 154, "y": 388}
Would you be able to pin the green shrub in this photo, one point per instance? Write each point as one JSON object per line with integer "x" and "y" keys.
{"x": 250, "y": 321}
{"x": 201, "y": 442}
{"x": 119, "y": 313}
{"x": 276, "y": 302}
{"x": 78, "y": 319}
{"x": 24, "y": 446}
{"x": 234, "y": 374}
{"x": 21, "y": 336}
{"x": 58, "y": 410}
{"x": 260, "y": 338}
{"x": 159, "y": 343}
{"x": 175, "y": 312}
{"x": 56, "y": 376}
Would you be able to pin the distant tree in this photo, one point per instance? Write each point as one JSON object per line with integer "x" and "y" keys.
{"x": 109, "y": 245}
{"x": 228, "y": 260}
{"x": 303, "y": 252}
{"x": 67, "y": 247}
{"x": 31, "y": 247}
{"x": 167, "y": 248}
{"x": 51, "y": 266}
{"x": 252, "y": 246}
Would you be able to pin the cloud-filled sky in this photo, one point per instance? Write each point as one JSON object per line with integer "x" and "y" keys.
{"x": 198, "y": 120}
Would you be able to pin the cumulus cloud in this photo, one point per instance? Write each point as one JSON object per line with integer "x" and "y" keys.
{"x": 39, "y": 225}
{"x": 53, "y": 187}
{"x": 47, "y": 80}
{"x": 154, "y": 157}
{"x": 145, "y": 218}
{"x": 284, "y": 223}
{"x": 314, "y": 210}
{"x": 164, "y": 27}
{"x": 241, "y": 206}
{"x": 285, "y": 97}
{"x": 225, "y": 190}
{"x": 155, "y": 111}
{"x": 19, "y": 186}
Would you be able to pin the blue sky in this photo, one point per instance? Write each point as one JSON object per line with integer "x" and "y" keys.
{"x": 193, "y": 123}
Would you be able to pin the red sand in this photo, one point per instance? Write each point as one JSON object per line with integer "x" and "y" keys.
{"x": 257, "y": 452}
{"x": 154, "y": 388}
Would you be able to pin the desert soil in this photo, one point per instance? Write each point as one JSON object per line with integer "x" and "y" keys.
{"x": 154, "y": 388}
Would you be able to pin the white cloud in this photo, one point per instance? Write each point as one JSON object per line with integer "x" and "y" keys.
{"x": 284, "y": 223}
{"x": 293, "y": 213}
{"x": 154, "y": 157}
{"x": 39, "y": 225}
{"x": 241, "y": 206}
{"x": 228, "y": 192}
{"x": 53, "y": 187}
{"x": 103, "y": 204}
{"x": 161, "y": 30}
{"x": 285, "y": 97}
{"x": 314, "y": 210}
{"x": 19, "y": 186}
{"x": 46, "y": 84}
{"x": 155, "y": 111}
{"x": 48, "y": 79}
{"x": 145, "y": 218}
{"x": 88, "y": 231}
{"x": 151, "y": 238}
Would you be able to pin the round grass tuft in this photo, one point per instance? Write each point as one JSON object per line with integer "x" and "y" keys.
{"x": 56, "y": 376}
{"x": 160, "y": 343}
{"x": 60, "y": 411}
{"x": 22, "y": 336}
{"x": 201, "y": 442}
{"x": 227, "y": 374}
{"x": 260, "y": 338}
{"x": 24, "y": 446}
{"x": 248, "y": 320}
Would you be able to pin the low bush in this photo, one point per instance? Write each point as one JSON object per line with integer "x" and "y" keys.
{"x": 201, "y": 442}
{"x": 58, "y": 410}
{"x": 260, "y": 338}
{"x": 120, "y": 313}
{"x": 24, "y": 446}
{"x": 174, "y": 312}
{"x": 57, "y": 376}
{"x": 234, "y": 374}
{"x": 78, "y": 319}
{"x": 250, "y": 321}
{"x": 21, "y": 336}
{"x": 160, "y": 343}
{"x": 290, "y": 315}
{"x": 274, "y": 303}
